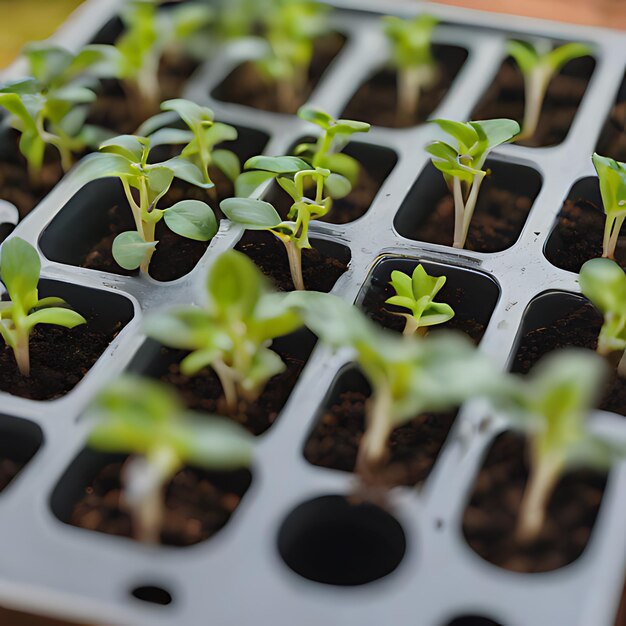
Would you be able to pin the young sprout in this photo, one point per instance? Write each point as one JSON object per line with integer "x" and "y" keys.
{"x": 462, "y": 165}
{"x": 407, "y": 375}
{"x": 50, "y": 107}
{"x": 127, "y": 157}
{"x": 295, "y": 176}
{"x": 612, "y": 178}
{"x": 604, "y": 283}
{"x": 417, "y": 294}
{"x": 200, "y": 138}
{"x": 552, "y": 406}
{"x": 539, "y": 62}
{"x": 19, "y": 270}
{"x": 411, "y": 47}
{"x": 289, "y": 28}
{"x": 147, "y": 420}
{"x": 137, "y": 53}
{"x": 232, "y": 334}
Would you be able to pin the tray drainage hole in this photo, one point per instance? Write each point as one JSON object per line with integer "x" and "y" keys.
{"x": 152, "y": 594}
{"x": 472, "y": 620}
{"x": 332, "y": 541}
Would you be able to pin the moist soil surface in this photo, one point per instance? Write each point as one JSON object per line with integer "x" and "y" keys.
{"x": 375, "y": 307}
{"x": 198, "y": 504}
{"x": 344, "y": 210}
{"x": 175, "y": 256}
{"x": 491, "y": 516}
{"x": 505, "y": 98}
{"x": 376, "y": 100}
{"x": 319, "y": 270}
{"x": 204, "y": 392}
{"x": 498, "y": 219}
{"x": 613, "y": 140}
{"x": 60, "y": 357}
{"x": 244, "y": 85}
{"x": 579, "y": 328}
{"x": 577, "y": 236}
{"x": 115, "y": 110}
{"x": 413, "y": 447}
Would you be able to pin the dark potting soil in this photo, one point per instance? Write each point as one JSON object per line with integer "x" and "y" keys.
{"x": 579, "y": 328}
{"x": 578, "y": 236}
{"x": 319, "y": 270}
{"x": 204, "y": 392}
{"x": 60, "y": 357}
{"x": 9, "y": 468}
{"x": 613, "y": 139}
{"x": 376, "y": 100}
{"x": 115, "y": 110}
{"x": 175, "y": 256}
{"x": 491, "y": 515}
{"x": 198, "y": 504}
{"x": 244, "y": 85}
{"x": 505, "y": 98}
{"x": 496, "y": 224}
{"x": 375, "y": 307}
{"x": 413, "y": 447}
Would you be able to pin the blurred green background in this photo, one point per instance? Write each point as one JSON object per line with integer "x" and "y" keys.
{"x": 25, "y": 20}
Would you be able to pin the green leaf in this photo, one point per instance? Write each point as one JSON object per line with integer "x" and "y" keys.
{"x": 612, "y": 178}
{"x": 101, "y": 165}
{"x": 343, "y": 164}
{"x": 315, "y": 116}
{"x": 524, "y": 54}
{"x": 47, "y": 61}
{"x": 20, "y": 267}
{"x": 130, "y": 250}
{"x": 191, "y": 219}
{"x": 170, "y": 137}
{"x": 14, "y": 105}
{"x": 190, "y": 112}
{"x": 55, "y": 315}
{"x": 130, "y": 147}
{"x": 338, "y": 186}
{"x": 498, "y": 131}
{"x": 187, "y": 171}
{"x": 219, "y": 133}
{"x": 603, "y": 281}
{"x": 250, "y": 183}
{"x": 278, "y": 165}
{"x": 462, "y": 132}
{"x": 227, "y": 162}
{"x": 558, "y": 57}
{"x": 251, "y": 214}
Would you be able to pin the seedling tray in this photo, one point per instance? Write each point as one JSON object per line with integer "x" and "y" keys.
{"x": 239, "y": 576}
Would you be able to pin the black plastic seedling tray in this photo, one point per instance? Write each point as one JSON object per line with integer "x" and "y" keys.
{"x": 293, "y": 508}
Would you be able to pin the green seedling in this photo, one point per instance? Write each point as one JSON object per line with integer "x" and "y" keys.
{"x": 127, "y": 157}
{"x": 135, "y": 58}
{"x": 539, "y": 62}
{"x": 551, "y": 405}
{"x": 408, "y": 376}
{"x": 612, "y": 178}
{"x": 19, "y": 269}
{"x": 200, "y": 138}
{"x": 417, "y": 294}
{"x": 462, "y": 164}
{"x": 604, "y": 283}
{"x": 295, "y": 176}
{"x": 232, "y": 334}
{"x": 289, "y": 28}
{"x": 50, "y": 107}
{"x": 147, "y": 420}
{"x": 411, "y": 55}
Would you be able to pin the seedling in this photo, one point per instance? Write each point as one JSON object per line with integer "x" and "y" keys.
{"x": 411, "y": 54}
{"x": 612, "y": 178}
{"x": 289, "y": 28}
{"x": 137, "y": 53}
{"x": 417, "y": 293}
{"x": 127, "y": 157}
{"x": 295, "y": 176}
{"x": 551, "y": 406}
{"x": 50, "y": 107}
{"x": 462, "y": 165}
{"x": 200, "y": 139}
{"x": 147, "y": 420}
{"x": 604, "y": 283}
{"x": 539, "y": 62}
{"x": 408, "y": 375}
{"x": 19, "y": 269}
{"x": 232, "y": 334}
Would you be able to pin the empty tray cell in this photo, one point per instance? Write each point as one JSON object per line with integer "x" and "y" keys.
{"x": 19, "y": 441}
{"x": 612, "y": 141}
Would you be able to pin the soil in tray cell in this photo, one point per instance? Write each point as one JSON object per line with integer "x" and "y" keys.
{"x": 491, "y": 516}
{"x": 376, "y": 100}
{"x": 613, "y": 138}
{"x": 505, "y": 98}
{"x": 244, "y": 85}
